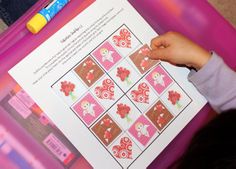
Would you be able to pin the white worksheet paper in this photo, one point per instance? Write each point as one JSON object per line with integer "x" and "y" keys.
{"x": 94, "y": 80}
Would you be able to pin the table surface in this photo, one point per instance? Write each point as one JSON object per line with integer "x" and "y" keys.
{"x": 195, "y": 19}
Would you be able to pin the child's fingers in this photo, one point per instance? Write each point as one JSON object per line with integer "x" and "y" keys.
{"x": 159, "y": 54}
{"x": 158, "y": 42}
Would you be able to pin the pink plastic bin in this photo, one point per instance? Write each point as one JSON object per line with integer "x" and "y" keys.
{"x": 196, "y": 19}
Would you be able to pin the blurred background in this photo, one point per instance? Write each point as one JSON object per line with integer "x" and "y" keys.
{"x": 11, "y": 10}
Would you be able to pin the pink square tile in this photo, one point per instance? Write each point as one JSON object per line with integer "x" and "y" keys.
{"x": 142, "y": 130}
{"x": 159, "y": 79}
{"x": 88, "y": 109}
{"x": 106, "y": 55}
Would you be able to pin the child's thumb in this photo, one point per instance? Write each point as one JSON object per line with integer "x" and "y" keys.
{"x": 158, "y": 54}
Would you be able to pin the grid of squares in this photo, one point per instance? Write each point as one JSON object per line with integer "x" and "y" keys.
{"x": 124, "y": 99}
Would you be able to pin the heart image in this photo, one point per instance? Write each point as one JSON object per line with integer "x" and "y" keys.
{"x": 106, "y": 91}
{"x": 144, "y": 63}
{"x": 144, "y": 51}
{"x": 124, "y": 149}
{"x": 123, "y": 39}
{"x": 106, "y": 122}
{"x": 107, "y": 135}
{"x": 90, "y": 76}
{"x": 142, "y": 94}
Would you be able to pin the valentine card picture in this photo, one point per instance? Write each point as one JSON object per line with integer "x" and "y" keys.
{"x": 124, "y": 112}
{"x": 159, "y": 115}
{"x": 142, "y": 95}
{"x": 159, "y": 79}
{"x": 106, "y": 130}
{"x": 88, "y": 109}
{"x": 125, "y": 75}
{"x": 70, "y": 88}
{"x": 89, "y": 71}
{"x": 106, "y": 91}
{"x": 106, "y": 55}
{"x": 124, "y": 149}
{"x": 141, "y": 60}
{"x": 143, "y": 131}
{"x": 176, "y": 99}
{"x": 124, "y": 41}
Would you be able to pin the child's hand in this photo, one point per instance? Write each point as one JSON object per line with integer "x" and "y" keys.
{"x": 177, "y": 49}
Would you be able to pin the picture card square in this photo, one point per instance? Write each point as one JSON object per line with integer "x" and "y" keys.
{"x": 89, "y": 71}
{"x": 69, "y": 88}
{"x": 142, "y": 95}
{"x": 124, "y": 112}
{"x": 106, "y": 55}
{"x": 106, "y": 130}
{"x": 106, "y": 92}
{"x": 159, "y": 79}
{"x": 159, "y": 115}
{"x": 125, "y": 75}
{"x": 141, "y": 61}
{"x": 88, "y": 109}
{"x": 124, "y": 41}
{"x": 142, "y": 130}
{"x": 175, "y": 99}
{"x": 125, "y": 150}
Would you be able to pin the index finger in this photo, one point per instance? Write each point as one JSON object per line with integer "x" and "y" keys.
{"x": 158, "y": 42}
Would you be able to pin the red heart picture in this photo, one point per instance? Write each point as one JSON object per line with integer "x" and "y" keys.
{"x": 142, "y": 94}
{"x": 124, "y": 150}
{"x": 123, "y": 39}
{"x": 144, "y": 63}
{"x": 106, "y": 91}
